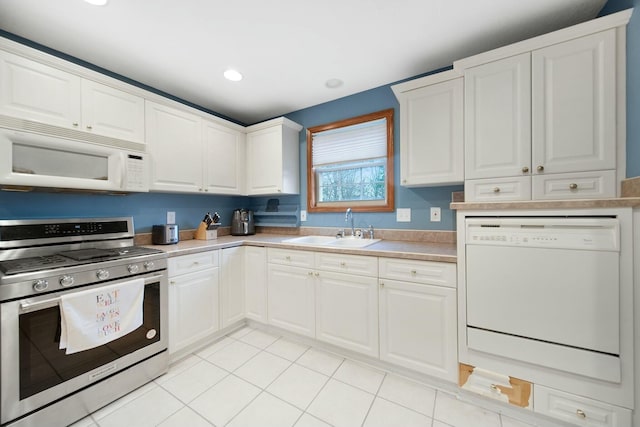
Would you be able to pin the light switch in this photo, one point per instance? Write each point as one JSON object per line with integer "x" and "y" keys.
{"x": 403, "y": 215}
{"x": 171, "y": 217}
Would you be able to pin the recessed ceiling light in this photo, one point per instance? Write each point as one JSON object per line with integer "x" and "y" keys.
{"x": 233, "y": 75}
{"x": 97, "y": 2}
{"x": 334, "y": 83}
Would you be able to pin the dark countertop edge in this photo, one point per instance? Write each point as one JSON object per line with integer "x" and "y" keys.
{"x": 623, "y": 202}
{"x": 419, "y": 251}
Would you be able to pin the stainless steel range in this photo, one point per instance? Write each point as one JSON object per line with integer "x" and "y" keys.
{"x": 46, "y": 262}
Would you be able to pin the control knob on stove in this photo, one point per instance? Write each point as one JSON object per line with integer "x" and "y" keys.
{"x": 133, "y": 268}
{"x": 66, "y": 280}
{"x": 40, "y": 285}
{"x": 102, "y": 274}
{"x": 148, "y": 265}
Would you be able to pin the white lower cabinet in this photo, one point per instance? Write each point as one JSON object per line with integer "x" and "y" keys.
{"x": 291, "y": 300}
{"x": 255, "y": 283}
{"x": 579, "y": 410}
{"x": 232, "y": 308}
{"x": 193, "y": 299}
{"x": 417, "y": 319}
{"x": 347, "y": 311}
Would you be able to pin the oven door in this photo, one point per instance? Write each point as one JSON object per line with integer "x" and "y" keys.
{"x": 35, "y": 372}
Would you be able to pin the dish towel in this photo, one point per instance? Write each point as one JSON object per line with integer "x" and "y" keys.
{"x": 97, "y": 316}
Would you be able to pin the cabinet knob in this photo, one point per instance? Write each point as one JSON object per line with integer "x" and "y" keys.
{"x": 496, "y": 189}
{"x": 525, "y": 169}
{"x": 317, "y": 274}
{"x": 540, "y": 168}
{"x": 581, "y": 413}
{"x": 89, "y": 127}
{"x": 404, "y": 181}
{"x": 381, "y": 284}
{"x": 310, "y": 273}
{"x": 75, "y": 124}
{"x": 343, "y": 264}
{"x": 414, "y": 272}
{"x": 288, "y": 258}
{"x": 494, "y": 388}
{"x": 172, "y": 282}
{"x": 206, "y": 190}
{"x": 573, "y": 186}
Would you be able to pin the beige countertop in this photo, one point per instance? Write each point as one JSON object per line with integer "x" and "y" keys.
{"x": 422, "y": 251}
{"x": 623, "y": 202}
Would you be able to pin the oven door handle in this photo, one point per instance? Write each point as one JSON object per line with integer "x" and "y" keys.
{"x": 28, "y": 306}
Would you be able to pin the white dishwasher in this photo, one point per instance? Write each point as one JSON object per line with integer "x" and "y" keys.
{"x": 545, "y": 290}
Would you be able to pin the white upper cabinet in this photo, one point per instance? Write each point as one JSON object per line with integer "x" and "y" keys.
{"x": 431, "y": 130}
{"x": 273, "y": 161}
{"x": 574, "y": 105}
{"x": 47, "y": 95}
{"x": 498, "y": 118}
{"x": 549, "y": 121}
{"x": 112, "y": 112}
{"x": 224, "y": 159}
{"x": 175, "y": 144}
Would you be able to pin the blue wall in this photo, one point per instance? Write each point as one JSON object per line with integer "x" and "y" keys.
{"x": 150, "y": 208}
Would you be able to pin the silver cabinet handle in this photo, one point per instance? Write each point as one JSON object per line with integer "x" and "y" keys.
{"x": 525, "y": 169}
{"x": 496, "y": 189}
{"x": 581, "y": 413}
{"x": 573, "y": 186}
{"x": 540, "y": 168}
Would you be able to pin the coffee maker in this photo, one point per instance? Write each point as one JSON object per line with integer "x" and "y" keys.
{"x": 242, "y": 223}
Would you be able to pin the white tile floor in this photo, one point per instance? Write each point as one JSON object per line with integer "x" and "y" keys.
{"x": 252, "y": 378}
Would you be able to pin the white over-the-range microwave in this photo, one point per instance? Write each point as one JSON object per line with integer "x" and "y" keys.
{"x": 34, "y": 160}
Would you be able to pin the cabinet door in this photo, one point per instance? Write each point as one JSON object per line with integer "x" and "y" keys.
{"x": 497, "y": 117}
{"x": 232, "y": 285}
{"x": 264, "y": 161}
{"x": 112, "y": 112}
{"x": 431, "y": 129}
{"x": 193, "y": 308}
{"x": 255, "y": 283}
{"x": 291, "y": 301}
{"x": 224, "y": 159}
{"x": 33, "y": 91}
{"x": 574, "y": 105}
{"x": 347, "y": 311}
{"x": 418, "y": 327}
{"x": 174, "y": 140}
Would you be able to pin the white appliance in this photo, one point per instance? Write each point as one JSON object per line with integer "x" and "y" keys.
{"x": 546, "y": 291}
{"x": 33, "y": 160}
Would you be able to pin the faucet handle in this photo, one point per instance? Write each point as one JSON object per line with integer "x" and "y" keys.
{"x": 340, "y": 233}
{"x": 371, "y": 232}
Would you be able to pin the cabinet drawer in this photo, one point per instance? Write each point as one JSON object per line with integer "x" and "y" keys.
{"x": 579, "y": 410}
{"x": 497, "y": 189}
{"x": 350, "y": 264}
{"x": 433, "y": 273}
{"x": 579, "y": 185}
{"x": 289, "y": 257}
{"x": 495, "y": 386}
{"x": 190, "y": 263}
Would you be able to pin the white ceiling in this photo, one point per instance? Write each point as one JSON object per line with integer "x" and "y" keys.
{"x": 286, "y": 49}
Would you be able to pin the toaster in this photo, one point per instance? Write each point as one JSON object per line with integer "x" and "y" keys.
{"x": 164, "y": 234}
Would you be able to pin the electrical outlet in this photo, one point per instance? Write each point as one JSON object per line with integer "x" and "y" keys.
{"x": 171, "y": 217}
{"x": 303, "y": 215}
{"x": 403, "y": 215}
{"x": 435, "y": 214}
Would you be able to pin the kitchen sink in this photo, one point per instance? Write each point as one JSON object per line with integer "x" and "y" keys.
{"x": 329, "y": 241}
{"x": 311, "y": 240}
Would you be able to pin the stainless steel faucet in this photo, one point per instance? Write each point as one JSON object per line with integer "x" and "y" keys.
{"x": 346, "y": 219}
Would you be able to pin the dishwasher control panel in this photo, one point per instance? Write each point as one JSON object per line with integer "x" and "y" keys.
{"x": 562, "y": 233}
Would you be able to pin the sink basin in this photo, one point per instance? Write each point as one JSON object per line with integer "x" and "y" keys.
{"x": 328, "y": 241}
{"x": 352, "y": 242}
{"x": 311, "y": 240}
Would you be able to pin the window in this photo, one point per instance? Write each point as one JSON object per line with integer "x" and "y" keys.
{"x": 350, "y": 164}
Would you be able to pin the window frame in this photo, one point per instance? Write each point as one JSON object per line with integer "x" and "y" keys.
{"x": 355, "y": 205}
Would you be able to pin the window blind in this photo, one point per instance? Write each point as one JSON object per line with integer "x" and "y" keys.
{"x": 346, "y": 144}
